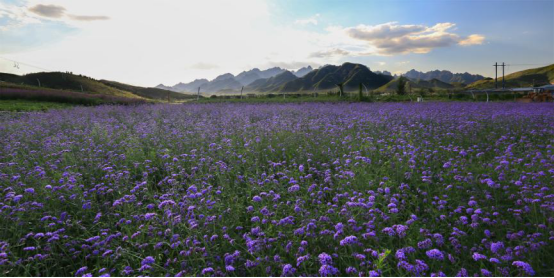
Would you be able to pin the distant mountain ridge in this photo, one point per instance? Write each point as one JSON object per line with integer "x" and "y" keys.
{"x": 303, "y": 71}
{"x": 226, "y": 83}
{"x": 279, "y": 80}
{"x": 327, "y": 77}
{"x": 444, "y": 76}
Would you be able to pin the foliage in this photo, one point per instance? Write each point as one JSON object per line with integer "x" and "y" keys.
{"x": 401, "y": 86}
{"x": 60, "y": 96}
{"x": 29, "y": 105}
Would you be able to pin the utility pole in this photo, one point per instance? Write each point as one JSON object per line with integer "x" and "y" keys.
{"x": 168, "y": 96}
{"x": 503, "y": 83}
{"x": 241, "y": 92}
{"x": 495, "y": 75}
{"x": 198, "y": 95}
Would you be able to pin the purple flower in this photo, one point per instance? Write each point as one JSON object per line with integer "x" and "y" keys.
{"x": 349, "y": 240}
{"x": 401, "y": 230}
{"x": 301, "y": 259}
{"x": 435, "y": 254}
{"x": 324, "y": 258}
{"x": 80, "y": 271}
{"x": 497, "y": 247}
{"x": 373, "y": 273}
{"x": 327, "y": 270}
{"x": 29, "y": 190}
{"x": 257, "y": 199}
{"x": 149, "y": 215}
{"x": 525, "y": 267}
{"x": 294, "y": 188}
{"x": 427, "y": 243}
{"x": 148, "y": 261}
{"x": 485, "y": 272}
{"x": 462, "y": 273}
{"x": 207, "y": 270}
{"x": 288, "y": 270}
{"x": 351, "y": 270}
{"x": 477, "y": 257}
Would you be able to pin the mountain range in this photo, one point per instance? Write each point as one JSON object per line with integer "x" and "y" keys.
{"x": 327, "y": 77}
{"x": 229, "y": 83}
{"x": 444, "y": 76}
{"x": 280, "y": 80}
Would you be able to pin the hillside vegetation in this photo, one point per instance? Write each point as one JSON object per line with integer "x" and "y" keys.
{"x": 65, "y": 81}
{"x": 433, "y": 84}
{"x": 149, "y": 93}
{"x": 525, "y": 78}
{"x": 83, "y": 84}
{"x": 325, "y": 78}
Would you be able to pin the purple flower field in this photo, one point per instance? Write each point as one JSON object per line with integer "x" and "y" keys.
{"x": 426, "y": 189}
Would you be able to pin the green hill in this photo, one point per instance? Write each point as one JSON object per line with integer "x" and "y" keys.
{"x": 434, "y": 84}
{"x": 84, "y": 84}
{"x": 272, "y": 84}
{"x": 149, "y": 93}
{"x": 327, "y": 77}
{"x": 65, "y": 81}
{"x": 525, "y": 78}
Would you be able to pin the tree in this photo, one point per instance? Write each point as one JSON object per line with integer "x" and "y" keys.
{"x": 422, "y": 92}
{"x": 340, "y": 85}
{"x": 401, "y": 86}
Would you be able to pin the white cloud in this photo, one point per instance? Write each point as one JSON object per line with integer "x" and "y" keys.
{"x": 57, "y": 12}
{"x": 88, "y": 17}
{"x": 204, "y": 66}
{"x": 311, "y": 20}
{"x": 50, "y": 11}
{"x": 15, "y": 17}
{"x": 392, "y": 38}
{"x": 337, "y": 52}
{"x": 472, "y": 40}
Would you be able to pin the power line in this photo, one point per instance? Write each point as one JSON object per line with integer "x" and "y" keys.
{"x": 22, "y": 63}
{"x": 529, "y": 64}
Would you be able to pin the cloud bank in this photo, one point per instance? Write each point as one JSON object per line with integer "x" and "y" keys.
{"x": 50, "y": 11}
{"x": 392, "y": 38}
{"x": 58, "y": 12}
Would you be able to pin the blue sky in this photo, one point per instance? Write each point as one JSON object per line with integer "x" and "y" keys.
{"x": 166, "y": 41}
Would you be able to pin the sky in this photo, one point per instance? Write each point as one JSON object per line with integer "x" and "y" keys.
{"x": 169, "y": 41}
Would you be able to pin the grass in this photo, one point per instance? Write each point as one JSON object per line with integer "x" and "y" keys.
{"x": 353, "y": 97}
{"x": 66, "y": 81}
{"x": 16, "y": 92}
{"x": 20, "y": 105}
